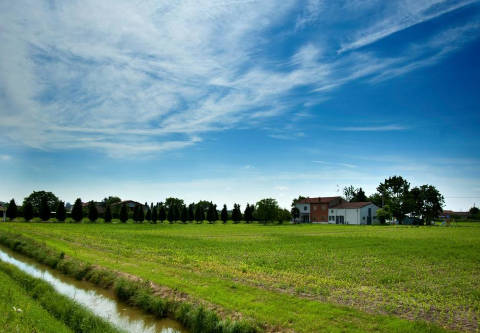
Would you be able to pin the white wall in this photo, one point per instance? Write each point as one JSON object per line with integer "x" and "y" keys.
{"x": 354, "y": 215}
{"x": 301, "y": 208}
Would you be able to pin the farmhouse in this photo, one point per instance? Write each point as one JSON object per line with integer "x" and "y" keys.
{"x": 336, "y": 210}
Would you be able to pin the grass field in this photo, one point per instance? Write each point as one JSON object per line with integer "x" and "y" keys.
{"x": 301, "y": 277}
{"x": 21, "y": 313}
{"x": 28, "y": 304}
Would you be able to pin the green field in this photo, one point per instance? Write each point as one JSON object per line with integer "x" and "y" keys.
{"x": 301, "y": 277}
{"x": 29, "y": 305}
{"x": 21, "y": 313}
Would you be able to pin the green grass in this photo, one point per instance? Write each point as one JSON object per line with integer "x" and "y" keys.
{"x": 30, "y": 318}
{"x": 32, "y": 305}
{"x": 304, "y": 277}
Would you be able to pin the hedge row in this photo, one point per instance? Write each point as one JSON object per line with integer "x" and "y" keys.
{"x": 194, "y": 317}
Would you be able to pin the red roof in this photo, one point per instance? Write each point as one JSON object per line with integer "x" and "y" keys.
{"x": 318, "y": 200}
{"x": 353, "y": 205}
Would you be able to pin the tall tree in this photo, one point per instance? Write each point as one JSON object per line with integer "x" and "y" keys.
{"x": 184, "y": 214}
{"x": 154, "y": 214}
{"x": 349, "y": 192}
{"x": 359, "y": 196}
{"x": 395, "y": 193}
{"x": 12, "y": 210}
{"x": 248, "y": 215}
{"x": 283, "y": 215}
{"x": 212, "y": 213}
{"x": 77, "y": 210}
{"x": 124, "y": 213}
{"x": 162, "y": 215}
{"x": 428, "y": 202}
{"x": 148, "y": 215}
{"x": 28, "y": 211}
{"x": 199, "y": 214}
{"x": 61, "y": 212}
{"x": 224, "y": 214}
{"x": 44, "y": 209}
{"x": 266, "y": 210}
{"x": 191, "y": 212}
{"x": 92, "y": 211}
{"x": 236, "y": 213}
{"x": 36, "y": 197}
{"x": 108, "y": 214}
{"x": 295, "y": 212}
{"x": 138, "y": 214}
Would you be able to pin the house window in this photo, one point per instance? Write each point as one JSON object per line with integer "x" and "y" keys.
{"x": 314, "y": 207}
{"x": 304, "y": 207}
{"x": 331, "y": 211}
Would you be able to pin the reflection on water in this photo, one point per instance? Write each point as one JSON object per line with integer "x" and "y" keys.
{"x": 101, "y": 302}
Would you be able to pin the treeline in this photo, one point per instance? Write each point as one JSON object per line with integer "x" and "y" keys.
{"x": 45, "y": 206}
{"x": 398, "y": 200}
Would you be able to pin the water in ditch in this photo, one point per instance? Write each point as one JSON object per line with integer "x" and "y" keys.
{"x": 101, "y": 302}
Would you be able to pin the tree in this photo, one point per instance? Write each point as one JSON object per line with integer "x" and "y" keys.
{"x": 295, "y": 214}
{"x": 266, "y": 210}
{"x": 376, "y": 199}
{"x": 224, "y": 214}
{"x": 199, "y": 214}
{"x": 28, "y": 211}
{"x": 191, "y": 212}
{"x": 124, "y": 213}
{"x": 60, "y": 212}
{"x": 162, "y": 215}
{"x": 203, "y": 204}
{"x": 154, "y": 214}
{"x": 236, "y": 213}
{"x": 384, "y": 214}
{"x": 283, "y": 215}
{"x": 212, "y": 213}
{"x": 44, "y": 209}
{"x": 138, "y": 214}
{"x": 36, "y": 197}
{"x": 395, "y": 193}
{"x": 148, "y": 216}
{"x": 359, "y": 196}
{"x": 248, "y": 214}
{"x": 12, "y": 210}
{"x": 111, "y": 200}
{"x": 349, "y": 192}
{"x": 77, "y": 210}
{"x": 92, "y": 211}
{"x": 294, "y": 201}
{"x": 108, "y": 214}
{"x": 184, "y": 214}
{"x": 474, "y": 212}
{"x": 427, "y": 202}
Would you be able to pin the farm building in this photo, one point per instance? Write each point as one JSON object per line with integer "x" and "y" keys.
{"x": 335, "y": 210}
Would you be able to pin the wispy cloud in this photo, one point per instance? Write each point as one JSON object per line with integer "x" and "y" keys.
{"x": 148, "y": 77}
{"x": 383, "y": 128}
{"x": 400, "y": 15}
{"x": 4, "y": 157}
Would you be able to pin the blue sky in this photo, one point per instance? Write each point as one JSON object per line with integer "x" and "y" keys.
{"x": 234, "y": 101}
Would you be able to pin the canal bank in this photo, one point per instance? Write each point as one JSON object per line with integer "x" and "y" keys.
{"x": 102, "y": 302}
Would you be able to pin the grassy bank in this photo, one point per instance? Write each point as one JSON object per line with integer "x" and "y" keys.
{"x": 32, "y": 305}
{"x": 304, "y": 277}
{"x": 133, "y": 291}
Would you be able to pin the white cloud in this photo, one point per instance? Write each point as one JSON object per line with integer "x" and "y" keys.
{"x": 4, "y": 157}
{"x": 147, "y": 77}
{"x": 383, "y": 128}
{"x": 400, "y": 15}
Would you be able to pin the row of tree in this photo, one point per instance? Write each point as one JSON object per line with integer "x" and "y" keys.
{"x": 41, "y": 204}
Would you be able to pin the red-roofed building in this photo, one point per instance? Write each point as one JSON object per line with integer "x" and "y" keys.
{"x": 336, "y": 210}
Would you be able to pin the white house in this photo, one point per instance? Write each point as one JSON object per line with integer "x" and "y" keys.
{"x": 353, "y": 213}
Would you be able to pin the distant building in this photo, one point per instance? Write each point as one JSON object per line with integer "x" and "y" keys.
{"x": 452, "y": 214}
{"x": 336, "y": 210}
